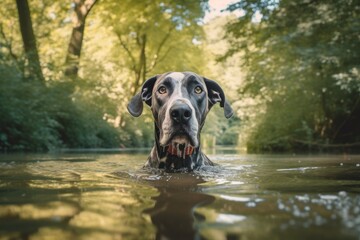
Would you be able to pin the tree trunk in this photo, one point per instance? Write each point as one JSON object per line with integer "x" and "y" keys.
{"x": 141, "y": 70}
{"x": 81, "y": 10}
{"x": 142, "y": 66}
{"x": 29, "y": 41}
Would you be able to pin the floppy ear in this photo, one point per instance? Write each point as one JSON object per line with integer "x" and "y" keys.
{"x": 135, "y": 106}
{"x": 216, "y": 94}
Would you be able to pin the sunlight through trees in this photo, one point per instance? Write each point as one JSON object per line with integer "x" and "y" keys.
{"x": 68, "y": 69}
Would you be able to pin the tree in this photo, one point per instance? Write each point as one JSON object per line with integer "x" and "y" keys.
{"x": 81, "y": 10}
{"x": 113, "y": 81}
{"x": 37, "y": 116}
{"x": 160, "y": 36}
{"x": 303, "y": 65}
{"x": 29, "y": 42}
{"x": 149, "y": 32}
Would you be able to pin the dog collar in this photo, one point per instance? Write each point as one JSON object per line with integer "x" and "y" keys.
{"x": 177, "y": 151}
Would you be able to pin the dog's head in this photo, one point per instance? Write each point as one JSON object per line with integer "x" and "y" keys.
{"x": 179, "y": 103}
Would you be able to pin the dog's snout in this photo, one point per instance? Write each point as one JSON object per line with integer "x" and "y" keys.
{"x": 180, "y": 113}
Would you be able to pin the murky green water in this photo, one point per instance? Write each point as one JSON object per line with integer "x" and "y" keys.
{"x": 109, "y": 196}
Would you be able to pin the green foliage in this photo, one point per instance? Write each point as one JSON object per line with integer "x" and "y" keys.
{"x": 302, "y": 62}
{"x": 223, "y": 131}
{"x": 300, "y": 89}
{"x": 24, "y": 123}
{"x": 38, "y": 117}
{"x": 150, "y": 37}
{"x": 135, "y": 132}
{"x": 90, "y": 111}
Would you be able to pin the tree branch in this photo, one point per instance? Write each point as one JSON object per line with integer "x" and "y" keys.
{"x": 141, "y": 71}
{"x": 165, "y": 55}
{"x": 81, "y": 10}
{"x": 8, "y": 43}
{"x": 156, "y": 55}
{"x": 127, "y": 50}
{"x": 89, "y": 4}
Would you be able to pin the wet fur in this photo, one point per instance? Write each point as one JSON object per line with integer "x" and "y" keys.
{"x": 180, "y": 87}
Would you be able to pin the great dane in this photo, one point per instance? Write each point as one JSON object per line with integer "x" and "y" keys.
{"x": 179, "y": 103}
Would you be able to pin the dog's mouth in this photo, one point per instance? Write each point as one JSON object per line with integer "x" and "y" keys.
{"x": 180, "y": 146}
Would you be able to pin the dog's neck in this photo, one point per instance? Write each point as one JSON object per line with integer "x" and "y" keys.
{"x": 162, "y": 158}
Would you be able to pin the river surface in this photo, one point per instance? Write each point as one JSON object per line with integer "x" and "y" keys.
{"x": 109, "y": 196}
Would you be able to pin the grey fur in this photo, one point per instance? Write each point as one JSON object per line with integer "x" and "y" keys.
{"x": 180, "y": 92}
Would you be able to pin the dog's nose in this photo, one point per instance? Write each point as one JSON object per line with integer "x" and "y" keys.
{"x": 180, "y": 113}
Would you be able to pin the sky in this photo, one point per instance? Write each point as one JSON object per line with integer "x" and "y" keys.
{"x": 217, "y": 5}
{"x": 215, "y": 8}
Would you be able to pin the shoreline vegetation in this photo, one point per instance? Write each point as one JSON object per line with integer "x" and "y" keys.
{"x": 291, "y": 71}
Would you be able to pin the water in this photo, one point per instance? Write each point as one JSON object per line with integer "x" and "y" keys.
{"x": 109, "y": 196}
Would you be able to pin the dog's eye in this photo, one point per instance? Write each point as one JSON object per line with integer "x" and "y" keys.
{"x": 162, "y": 90}
{"x": 198, "y": 90}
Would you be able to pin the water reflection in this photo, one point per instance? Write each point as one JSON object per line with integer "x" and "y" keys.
{"x": 173, "y": 212}
{"x": 68, "y": 197}
{"x": 246, "y": 197}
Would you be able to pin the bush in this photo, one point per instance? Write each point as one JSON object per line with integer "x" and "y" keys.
{"x": 37, "y": 117}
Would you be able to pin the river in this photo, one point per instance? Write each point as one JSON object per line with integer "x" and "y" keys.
{"x": 110, "y": 196}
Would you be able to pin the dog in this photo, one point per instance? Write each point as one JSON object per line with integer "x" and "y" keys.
{"x": 180, "y": 102}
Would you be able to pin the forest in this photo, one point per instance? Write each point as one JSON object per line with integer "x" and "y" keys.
{"x": 291, "y": 70}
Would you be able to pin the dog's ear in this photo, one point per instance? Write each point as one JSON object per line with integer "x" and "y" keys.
{"x": 135, "y": 106}
{"x": 216, "y": 94}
